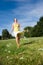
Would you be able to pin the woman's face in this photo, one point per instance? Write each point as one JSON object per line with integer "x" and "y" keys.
{"x": 15, "y": 20}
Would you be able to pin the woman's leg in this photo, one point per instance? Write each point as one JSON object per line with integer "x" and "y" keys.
{"x": 18, "y": 40}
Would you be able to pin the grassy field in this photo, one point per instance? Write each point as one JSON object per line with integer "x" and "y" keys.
{"x": 30, "y": 52}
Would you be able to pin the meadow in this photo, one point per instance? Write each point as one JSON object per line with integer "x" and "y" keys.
{"x": 29, "y": 53}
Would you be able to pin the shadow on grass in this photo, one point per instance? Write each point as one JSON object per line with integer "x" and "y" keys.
{"x": 29, "y": 42}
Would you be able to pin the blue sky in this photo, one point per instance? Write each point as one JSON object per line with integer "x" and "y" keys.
{"x": 27, "y": 12}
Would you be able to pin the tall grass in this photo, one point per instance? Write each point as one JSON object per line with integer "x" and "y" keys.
{"x": 30, "y": 52}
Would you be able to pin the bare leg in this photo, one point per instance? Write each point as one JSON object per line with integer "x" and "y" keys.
{"x": 18, "y": 40}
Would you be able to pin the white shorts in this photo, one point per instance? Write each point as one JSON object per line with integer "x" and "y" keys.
{"x": 15, "y": 33}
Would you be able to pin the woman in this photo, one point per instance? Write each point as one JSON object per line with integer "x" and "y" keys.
{"x": 16, "y": 29}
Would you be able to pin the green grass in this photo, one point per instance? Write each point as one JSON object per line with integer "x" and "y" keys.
{"x": 30, "y": 52}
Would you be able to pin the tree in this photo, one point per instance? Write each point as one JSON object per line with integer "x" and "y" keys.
{"x": 38, "y": 28}
{"x": 5, "y": 34}
{"x": 27, "y": 32}
{"x": 10, "y": 36}
{"x": 0, "y": 37}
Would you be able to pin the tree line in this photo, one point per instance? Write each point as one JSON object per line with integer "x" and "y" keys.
{"x": 6, "y": 34}
{"x": 35, "y": 31}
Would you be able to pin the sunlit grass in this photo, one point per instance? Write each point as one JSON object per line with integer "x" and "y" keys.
{"x": 30, "y": 52}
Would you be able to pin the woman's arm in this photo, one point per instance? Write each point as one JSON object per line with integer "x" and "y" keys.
{"x": 12, "y": 27}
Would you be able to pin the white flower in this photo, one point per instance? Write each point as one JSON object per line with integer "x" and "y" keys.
{"x": 21, "y": 58}
{"x": 9, "y": 51}
{"x": 5, "y": 50}
{"x": 7, "y": 56}
{"x": 40, "y": 49}
{"x": 8, "y": 45}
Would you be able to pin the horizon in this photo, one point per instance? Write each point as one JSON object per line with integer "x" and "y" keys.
{"x": 27, "y": 13}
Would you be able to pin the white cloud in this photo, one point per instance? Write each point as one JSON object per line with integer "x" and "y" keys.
{"x": 29, "y": 11}
{"x": 37, "y": 12}
{"x": 29, "y": 14}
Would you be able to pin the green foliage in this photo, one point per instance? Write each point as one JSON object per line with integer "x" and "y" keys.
{"x": 28, "y": 28}
{"x": 38, "y": 29}
{"x": 0, "y": 37}
{"x": 35, "y": 31}
{"x": 5, "y": 34}
{"x": 27, "y": 32}
{"x": 29, "y": 53}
